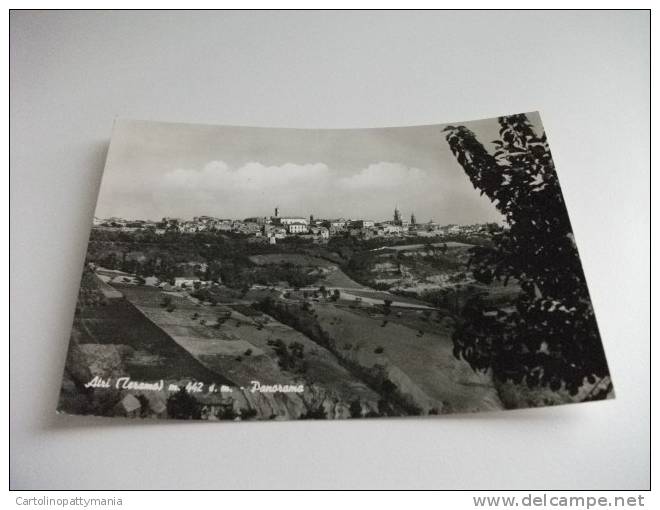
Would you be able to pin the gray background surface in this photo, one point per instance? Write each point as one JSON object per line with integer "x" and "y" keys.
{"x": 72, "y": 73}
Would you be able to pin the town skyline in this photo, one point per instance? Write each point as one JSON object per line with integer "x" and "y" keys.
{"x": 178, "y": 170}
{"x": 403, "y": 216}
{"x": 278, "y": 227}
{"x": 406, "y": 218}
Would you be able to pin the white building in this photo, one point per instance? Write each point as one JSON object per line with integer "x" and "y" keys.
{"x": 338, "y": 224}
{"x": 184, "y": 281}
{"x": 389, "y": 229}
{"x": 289, "y": 220}
{"x": 320, "y": 232}
{"x": 296, "y": 228}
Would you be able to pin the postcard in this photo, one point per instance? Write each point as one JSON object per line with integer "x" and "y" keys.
{"x": 243, "y": 273}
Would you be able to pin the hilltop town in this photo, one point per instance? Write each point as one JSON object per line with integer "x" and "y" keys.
{"x": 277, "y": 227}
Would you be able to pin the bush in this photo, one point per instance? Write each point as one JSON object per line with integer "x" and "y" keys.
{"x": 226, "y": 412}
{"x": 315, "y": 413}
{"x": 182, "y": 405}
{"x": 248, "y": 414}
{"x": 355, "y": 409}
{"x": 291, "y": 357}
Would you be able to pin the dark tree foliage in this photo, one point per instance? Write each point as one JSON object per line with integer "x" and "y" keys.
{"x": 227, "y": 412}
{"x": 355, "y": 409}
{"x": 314, "y": 413}
{"x": 182, "y": 405}
{"x": 291, "y": 357}
{"x": 144, "y": 405}
{"x": 550, "y": 337}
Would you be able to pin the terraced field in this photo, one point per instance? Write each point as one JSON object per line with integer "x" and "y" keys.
{"x": 329, "y": 274}
{"x": 421, "y": 365}
{"x": 242, "y": 349}
{"x": 146, "y": 352}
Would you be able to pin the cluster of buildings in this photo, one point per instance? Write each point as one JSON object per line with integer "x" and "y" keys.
{"x": 270, "y": 229}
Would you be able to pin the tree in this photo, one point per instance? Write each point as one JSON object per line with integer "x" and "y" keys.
{"x": 387, "y": 310}
{"x": 355, "y": 409}
{"x": 313, "y": 404}
{"x": 182, "y": 405}
{"x": 222, "y": 318}
{"x": 550, "y": 337}
{"x": 291, "y": 357}
{"x": 226, "y": 411}
{"x": 144, "y": 405}
{"x": 248, "y": 413}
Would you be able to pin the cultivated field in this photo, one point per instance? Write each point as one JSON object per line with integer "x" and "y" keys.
{"x": 421, "y": 365}
{"x": 243, "y": 349}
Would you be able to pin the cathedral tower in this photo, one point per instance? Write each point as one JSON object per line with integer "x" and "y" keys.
{"x": 397, "y": 216}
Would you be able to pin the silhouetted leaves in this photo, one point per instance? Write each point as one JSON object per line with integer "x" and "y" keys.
{"x": 550, "y": 337}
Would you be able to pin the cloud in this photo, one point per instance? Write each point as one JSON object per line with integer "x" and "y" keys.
{"x": 304, "y": 181}
{"x": 250, "y": 189}
{"x": 218, "y": 176}
{"x": 382, "y": 176}
{"x": 254, "y": 189}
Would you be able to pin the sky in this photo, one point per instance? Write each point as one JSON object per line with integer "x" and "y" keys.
{"x": 156, "y": 169}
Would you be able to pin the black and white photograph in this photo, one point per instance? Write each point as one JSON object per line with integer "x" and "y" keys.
{"x": 238, "y": 273}
{"x": 334, "y": 249}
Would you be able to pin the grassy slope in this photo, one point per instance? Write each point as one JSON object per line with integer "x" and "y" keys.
{"x": 119, "y": 323}
{"x": 334, "y": 277}
{"x": 223, "y": 350}
{"x": 423, "y": 367}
